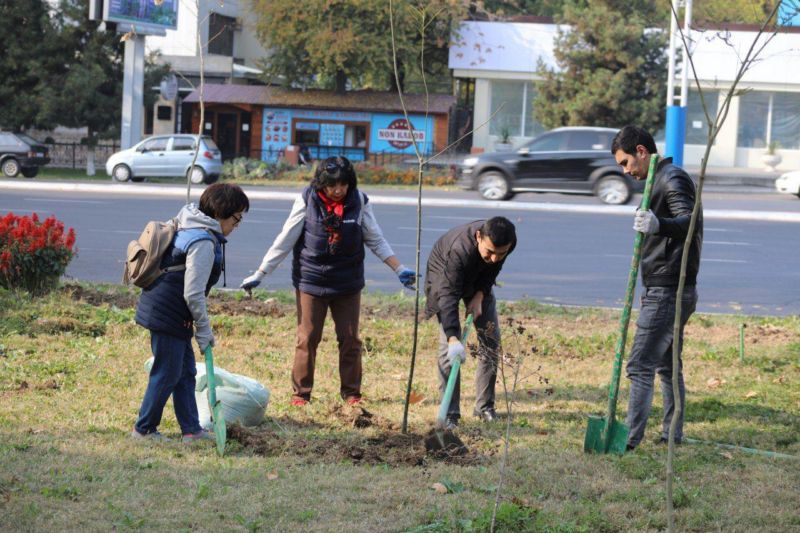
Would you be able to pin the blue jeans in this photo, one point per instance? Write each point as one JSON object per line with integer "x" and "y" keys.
{"x": 651, "y": 354}
{"x": 488, "y": 330}
{"x": 172, "y": 375}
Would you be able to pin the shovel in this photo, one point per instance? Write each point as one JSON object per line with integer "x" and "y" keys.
{"x": 443, "y": 439}
{"x": 215, "y": 406}
{"x": 606, "y": 434}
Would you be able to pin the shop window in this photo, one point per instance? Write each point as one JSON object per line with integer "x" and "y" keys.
{"x": 766, "y": 117}
{"x": 516, "y": 115}
{"x": 356, "y": 135}
{"x": 306, "y": 136}
{"x": 696, "y": 123}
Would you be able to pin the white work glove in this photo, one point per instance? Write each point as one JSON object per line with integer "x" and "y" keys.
{"x": 204, "y": 339}
{"x": 645, "y": 221}
{"x": 455, "y": 350}
{"x": 252, "y": 282}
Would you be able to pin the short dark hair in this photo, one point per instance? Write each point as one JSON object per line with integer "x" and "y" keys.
{"x": 500, "y": 231}
{"x": 334, "y": 170}
{"x": 223, "y": 200}
{"x": 631, "y": 136}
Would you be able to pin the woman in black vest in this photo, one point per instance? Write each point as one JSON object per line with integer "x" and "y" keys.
{"x": 326, "y": 231}
{"x": 174, "y": 309}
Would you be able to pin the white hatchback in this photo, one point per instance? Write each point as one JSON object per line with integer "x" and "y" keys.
{"x": 789, "y": 183}
{"x": 169, "y": 156}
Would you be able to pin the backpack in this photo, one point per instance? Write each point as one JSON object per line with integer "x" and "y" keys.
{"x": 143, "y": 261}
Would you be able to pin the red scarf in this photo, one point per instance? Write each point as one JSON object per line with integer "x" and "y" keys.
{"x": 331, "y": 206}
{"x": 335, "y": 212}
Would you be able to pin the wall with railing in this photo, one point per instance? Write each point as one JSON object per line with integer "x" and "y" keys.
{"x": 74, "y": 154}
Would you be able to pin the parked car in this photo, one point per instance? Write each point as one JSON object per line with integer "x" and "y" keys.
{"x": 167, "y": 155}
{"x": 789, "y": 183}
{"x": 575, "y": 160}
{"x": 21, "y": 153}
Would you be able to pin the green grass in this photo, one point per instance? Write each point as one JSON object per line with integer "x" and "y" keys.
{"x": 73, "y": 377}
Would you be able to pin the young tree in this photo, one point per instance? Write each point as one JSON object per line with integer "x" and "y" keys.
{"x": 612, "y": 71}
{"x": 28, "y": 57}
{"x": 332, "y": 43}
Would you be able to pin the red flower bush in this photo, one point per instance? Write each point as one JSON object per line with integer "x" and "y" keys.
{"x": 33, "y": 254}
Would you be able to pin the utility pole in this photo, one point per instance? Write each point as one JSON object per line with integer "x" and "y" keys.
{"x": 676, "y": 114}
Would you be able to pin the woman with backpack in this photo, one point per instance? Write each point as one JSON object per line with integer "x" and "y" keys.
{"x": 327, "y": 229}
{"x": 174, "y": 307}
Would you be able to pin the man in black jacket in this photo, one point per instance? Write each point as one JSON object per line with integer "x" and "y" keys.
{"x": 665, "y": 226}
{"x": 464, "y": 265}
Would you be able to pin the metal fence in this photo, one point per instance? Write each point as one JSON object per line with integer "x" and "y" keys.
{"x": 74, "y": 155}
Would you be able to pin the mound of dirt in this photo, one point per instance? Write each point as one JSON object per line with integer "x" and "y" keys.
{"x": 96, "y": 297}
{"x": 391, "y": 448}
{"x": 248, "y": 307}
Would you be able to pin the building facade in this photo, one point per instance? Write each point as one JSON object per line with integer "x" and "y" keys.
{"x": 502, "y": 59}
{"x": 261, "y": 122}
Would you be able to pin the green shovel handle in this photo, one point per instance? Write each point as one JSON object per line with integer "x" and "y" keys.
{"x": 212, "y": 385}
{"x": 626, "y": 310}
{"x": 451, "y": 380}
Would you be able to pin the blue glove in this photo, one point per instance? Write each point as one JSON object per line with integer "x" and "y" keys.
{"x": 407, "y": 276}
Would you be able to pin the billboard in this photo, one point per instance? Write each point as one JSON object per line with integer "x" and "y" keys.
{"x": 144, "y": 15}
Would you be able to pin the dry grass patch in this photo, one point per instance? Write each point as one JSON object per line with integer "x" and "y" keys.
{"x": 73, "y": 377}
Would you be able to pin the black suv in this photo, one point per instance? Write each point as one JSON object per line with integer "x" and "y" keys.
{"x": 20, "y": 153}
{"x": 575, "y": 160}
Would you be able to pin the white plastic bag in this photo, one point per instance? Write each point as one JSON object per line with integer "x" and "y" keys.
{"x": 243, "y": 399}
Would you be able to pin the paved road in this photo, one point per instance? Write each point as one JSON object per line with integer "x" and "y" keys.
{"x": 572, "y": 249}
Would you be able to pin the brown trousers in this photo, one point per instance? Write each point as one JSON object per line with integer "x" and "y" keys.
{"x": 311, "y": 311}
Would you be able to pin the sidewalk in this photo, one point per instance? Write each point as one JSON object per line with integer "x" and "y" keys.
{"x": 736, "y": 176}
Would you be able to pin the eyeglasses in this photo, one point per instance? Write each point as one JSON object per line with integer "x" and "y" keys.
{"x": 237, "y": 219}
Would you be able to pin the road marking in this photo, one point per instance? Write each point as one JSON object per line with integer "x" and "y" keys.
{"x": 451, "y": 218}
{"x": 725, "y": 230}
{"x": 115, "y": 231}
{"x": 702, "y": 259}
{"x": 17, "y": 210}
{"x": 252, "y": 193}
{"x": 730, "y": 243}
{"x": 61, "y": 201}
{"x": 424, "y": 229}
{"x": 275, "y": 209}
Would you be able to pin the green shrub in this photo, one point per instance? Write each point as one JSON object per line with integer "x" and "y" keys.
{"x": 245, "y": 169}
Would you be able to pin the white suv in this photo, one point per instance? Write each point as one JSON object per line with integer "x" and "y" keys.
{"x": 167, "y": 155}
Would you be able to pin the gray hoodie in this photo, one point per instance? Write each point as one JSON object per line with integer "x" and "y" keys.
{"x": 199, "y": 262}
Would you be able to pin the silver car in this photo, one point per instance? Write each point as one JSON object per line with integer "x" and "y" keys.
{"x": 167, "y": 155}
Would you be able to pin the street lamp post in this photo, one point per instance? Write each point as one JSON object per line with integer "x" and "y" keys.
{"x": 676, "y": 114}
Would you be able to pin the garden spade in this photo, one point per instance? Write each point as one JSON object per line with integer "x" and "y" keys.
{"x": 215, "y": 406}
{"x": 606, "y": 434}
{"x": 444, "y": 439}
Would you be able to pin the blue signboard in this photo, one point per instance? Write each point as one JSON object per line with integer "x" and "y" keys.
{"x": 391, "y": 133}
{"x": 276, "y": 132}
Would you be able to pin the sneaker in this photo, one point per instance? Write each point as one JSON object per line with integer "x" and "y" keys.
{"x": 664, "y": 441}
{"x": 450, "y": 423}
{"x": 353, "y": 400}
{"x": 153, "y": 435}
{"x": 629, "y": 447}
{"x": 487, "y": 415}
{"x": 299, "y": 402}
{"x": 201, "y": 435}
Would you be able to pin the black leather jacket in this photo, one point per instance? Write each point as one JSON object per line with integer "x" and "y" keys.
{"x": 672, "y": 201}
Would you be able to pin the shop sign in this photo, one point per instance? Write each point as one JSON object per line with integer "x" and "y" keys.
{"x": 398, "y": 134}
